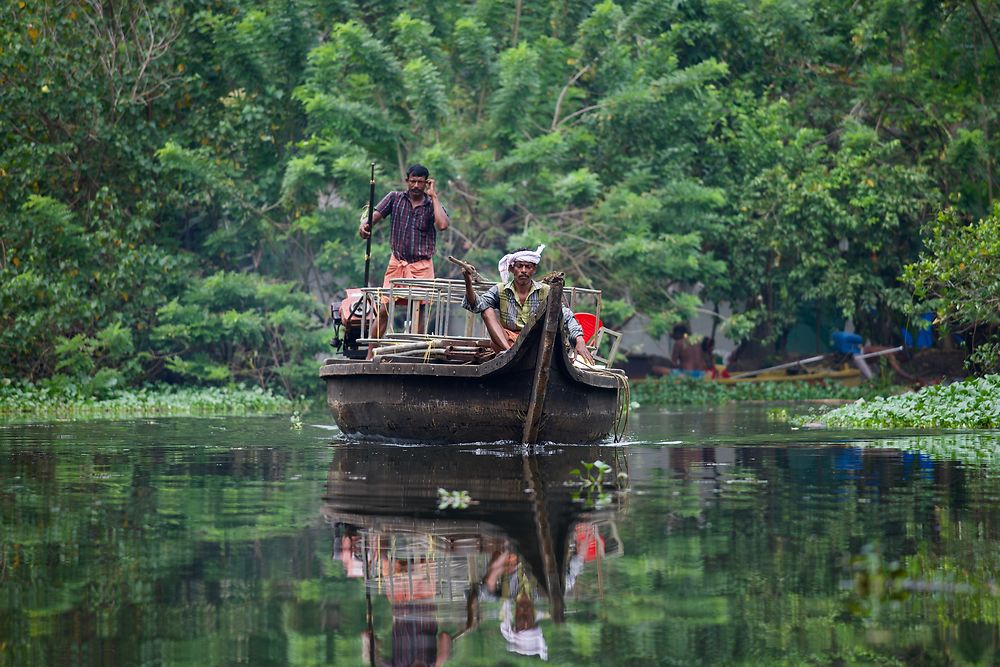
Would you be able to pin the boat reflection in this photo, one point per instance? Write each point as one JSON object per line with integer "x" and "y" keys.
{"x": 453, "y": 538}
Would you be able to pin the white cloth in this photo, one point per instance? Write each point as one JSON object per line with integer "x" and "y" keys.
{"x": 525, "y": 642}
{"x": 533, "y": 256}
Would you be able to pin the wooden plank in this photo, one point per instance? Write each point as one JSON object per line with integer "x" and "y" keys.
{"x": 543, "y": 363}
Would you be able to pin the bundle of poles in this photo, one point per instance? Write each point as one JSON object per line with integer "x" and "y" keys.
{"x": 416, "y": 348}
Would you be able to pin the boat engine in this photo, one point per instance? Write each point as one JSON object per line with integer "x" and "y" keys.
{"x": 347, "y": 314}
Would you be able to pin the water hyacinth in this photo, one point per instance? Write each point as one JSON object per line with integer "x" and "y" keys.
{"x": 689, "y": 391}
{"x": 971, "y": 403}
{"x": 24, "y": 400}
{"x": 459, "y": 499}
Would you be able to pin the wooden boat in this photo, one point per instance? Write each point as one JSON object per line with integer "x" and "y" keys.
{"x": 530, "y": 393}
{"x": 820, "y": 368}
{"x": 849, "y": 377}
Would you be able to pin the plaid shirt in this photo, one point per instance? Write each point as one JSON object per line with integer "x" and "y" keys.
{"x": 514, "y": 315}
{"x": 413, "y": 232}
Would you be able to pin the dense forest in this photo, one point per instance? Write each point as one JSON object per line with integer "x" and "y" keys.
{"x": 180, "y": 180}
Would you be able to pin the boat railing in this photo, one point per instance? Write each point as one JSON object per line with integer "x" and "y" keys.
{"x": 424, "y": 311}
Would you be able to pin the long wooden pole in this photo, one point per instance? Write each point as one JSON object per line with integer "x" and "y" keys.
{"x": 371, "y": 212}
{"x": 810, "y": 360}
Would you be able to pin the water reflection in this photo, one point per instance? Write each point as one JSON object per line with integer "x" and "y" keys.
{"x": 244, "y": 542}
{"x": 511, "y": 551}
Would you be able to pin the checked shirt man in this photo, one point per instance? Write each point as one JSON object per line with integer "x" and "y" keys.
{"x": 416, "y": 217}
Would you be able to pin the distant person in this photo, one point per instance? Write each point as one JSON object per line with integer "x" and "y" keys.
{"x": 708, "y": 358}
{"x": 507, "y": 306}
{"x": 686, "y": 357}
{"x": 417, "y": 215}
{"x": 847, "y": 344}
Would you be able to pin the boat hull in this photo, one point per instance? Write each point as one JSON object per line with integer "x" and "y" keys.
{"x": 429, "y": 408}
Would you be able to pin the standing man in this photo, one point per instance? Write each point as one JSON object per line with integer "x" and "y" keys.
{"x": 417, "y": 215}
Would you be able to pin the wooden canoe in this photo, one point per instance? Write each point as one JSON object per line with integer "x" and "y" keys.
{"x": 850, "y": 377}
{"x": 530, "y": 393}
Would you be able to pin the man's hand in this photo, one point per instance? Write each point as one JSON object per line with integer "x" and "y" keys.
{"x": 364, "y": 230}
{"x": 581, "y": 350}
{"x": 429, "y": 190}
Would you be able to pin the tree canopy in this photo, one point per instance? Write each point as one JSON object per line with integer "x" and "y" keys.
{"x": 176, "y": 177}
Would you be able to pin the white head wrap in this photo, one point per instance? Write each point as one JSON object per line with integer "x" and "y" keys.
{"x": 533, "y": 256}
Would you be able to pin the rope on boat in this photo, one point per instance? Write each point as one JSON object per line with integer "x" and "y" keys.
{"x": 623, "y": 399}
{"x": 427, "y": 351}
{"x": 624, "y": 405}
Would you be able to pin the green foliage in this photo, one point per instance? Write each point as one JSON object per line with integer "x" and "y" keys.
{"x": 234, "y": 327}
{"x": 773, "y": 155}
{"x": 62, "y": 397}
{"x": 680, "y": 390}
{"x": 595, "y": 484}
{"x": 458, "y": 499}
{"x": 74, "y": 297}
{"x": 956, "y": 277}
{"x": 970, "y": 403}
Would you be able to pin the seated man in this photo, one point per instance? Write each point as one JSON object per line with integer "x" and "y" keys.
{"x": 686, "y": 357}
{"x": 507, "y": 306}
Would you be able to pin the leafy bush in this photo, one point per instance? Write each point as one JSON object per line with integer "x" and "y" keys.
{"x": 238, "y": 327}
{"x": 74, "y": 297}
{"x": 956, "y": 276}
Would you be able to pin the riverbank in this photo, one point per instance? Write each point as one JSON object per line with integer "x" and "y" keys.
{"x": 27, "y": 401}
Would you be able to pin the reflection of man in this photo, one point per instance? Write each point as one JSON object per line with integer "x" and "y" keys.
{"x": 518, "y": 616}
{"x": 411, "y": 587}
{"x": 588, "y": 545}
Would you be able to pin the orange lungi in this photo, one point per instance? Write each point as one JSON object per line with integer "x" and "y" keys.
{"x": 511, "y": 337}
{"x": 399, "y": 268}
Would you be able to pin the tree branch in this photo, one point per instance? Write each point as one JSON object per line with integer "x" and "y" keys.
{"x": 562, "y": 94}
{"x": 581, "y": 111}
{"x": 986, "y": 27}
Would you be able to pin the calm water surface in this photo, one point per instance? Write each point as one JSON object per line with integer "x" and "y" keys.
{"x": 711, "y": 537}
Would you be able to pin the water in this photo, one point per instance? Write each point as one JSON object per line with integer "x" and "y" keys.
{"x": 727, "y": 539}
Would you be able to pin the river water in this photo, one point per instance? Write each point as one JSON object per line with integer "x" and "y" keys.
{"x": 712, "y": 537}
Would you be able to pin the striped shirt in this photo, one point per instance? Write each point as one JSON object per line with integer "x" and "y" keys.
{"x": 513, "y": 314}
{"x": 413, "y": 232}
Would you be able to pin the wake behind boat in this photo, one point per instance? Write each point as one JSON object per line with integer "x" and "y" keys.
{"x": 447, "y": 388}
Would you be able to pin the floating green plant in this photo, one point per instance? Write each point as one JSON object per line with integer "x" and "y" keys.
{"x": 458, "y": 500}
{"x": 971, "y": 403}
{"x": 593, "y": 481}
